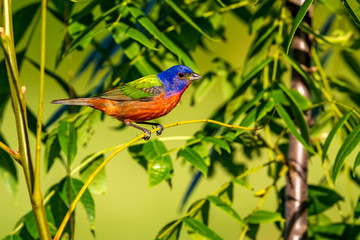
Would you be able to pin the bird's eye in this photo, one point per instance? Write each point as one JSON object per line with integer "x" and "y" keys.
{"x": 181, "y": 75}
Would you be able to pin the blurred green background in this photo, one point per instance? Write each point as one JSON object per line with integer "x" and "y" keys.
{"x": 130, "y": 208}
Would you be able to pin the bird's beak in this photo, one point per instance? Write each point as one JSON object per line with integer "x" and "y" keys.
{"x": 195, "y": 76}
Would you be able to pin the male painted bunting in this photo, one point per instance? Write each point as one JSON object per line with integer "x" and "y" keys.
{"x": 141, "y": 100}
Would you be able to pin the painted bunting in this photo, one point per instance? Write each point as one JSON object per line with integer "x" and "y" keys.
{"x": 141, "y": 100}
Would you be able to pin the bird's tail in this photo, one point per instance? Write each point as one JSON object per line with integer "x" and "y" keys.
{"x": 74, "y": 101}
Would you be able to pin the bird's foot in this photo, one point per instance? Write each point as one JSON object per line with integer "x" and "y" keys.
{"x": 159, "y": 132}
{"x": 148, "y": 134}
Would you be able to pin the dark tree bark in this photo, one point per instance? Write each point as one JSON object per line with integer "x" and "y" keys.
{"x": 296, "y": 179}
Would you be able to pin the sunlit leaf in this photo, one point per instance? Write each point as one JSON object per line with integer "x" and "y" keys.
{"x": 226, "y": 208}
{"x": 98, "y": 184}
{"x": 150, "y": 26}
{"x": 159, "y": 163}
{"x": 298, "y": 19}
{"x": 351, "y": 12}
{"x": 346, "y": 148}
{"x": 263, "y": 216}
{"x": 321, "y": 198}
{"x": 195, "y": 159}
{"x": 218, "y": 142}
{"x": 184, "y": 16}
{"x": 332, "y": 133}
{"x": 201, "y": 229}
{"x": 280, "y": 97}
{"x": 243, "y": 183}
{"x": 122, "y": 28}
{"x": 357, "y": 162}
{"x": 67, "y": 139}
{"x": 12, "y": 237}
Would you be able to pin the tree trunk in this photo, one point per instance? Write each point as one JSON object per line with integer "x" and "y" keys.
{"x": 296, "y": 185}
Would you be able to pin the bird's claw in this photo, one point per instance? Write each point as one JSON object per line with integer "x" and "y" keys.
{"x": 147, "y": 136}
{"x": 159, "y": 132}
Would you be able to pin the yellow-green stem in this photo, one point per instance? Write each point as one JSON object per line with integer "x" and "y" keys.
{"x": 122, "y": 147}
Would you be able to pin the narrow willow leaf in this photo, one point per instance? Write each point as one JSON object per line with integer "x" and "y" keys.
{"x": 280, "y": 98}
{"x": 98, "y": 184}
{"x": 195, "y": 159}
{"x": 356, "y": 163}
{"x": 168, "y": 232}
{"x": 182, "y": 14}
{"x": 321, "y": 199}
{"x": 256, "y": 114}
{"x": 298, "y": 19}
{"x": 201, "y": 229}
{"x": 252, "y": 73}
{"x": 159, "y": 162}
{"x": 226, "y": 208}
{"x": 301, "y": 71}
{"x": 357, "y": 209}
{"x": 150, "y": 26}
{"x": 52, "y": 151}
{"x": 348, "y": 146}
{"x": 332, "y": 133}
{"x": 67, "y": 139}
{"x": 218, "y": 142}
{"x": 30, "y": 225}
{"x": 292, "y": 128}
{"x": 122, "y": 28}
{"x": 298, "y": 114}
{"x": 12, "y": 237}
{"x": 243, "y": 183}
{"x": 352, "y": 62}
{"x": 263, "y": 216}
{"x": 351, "y": 12}
{"x": 247, "y": 106}
{"x": 8, "y": 173}
{"x": 22, "y": 20}
{"x": 86, "y": 200}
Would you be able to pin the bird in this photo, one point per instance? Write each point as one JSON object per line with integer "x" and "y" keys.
{"x": 143, "y": 99}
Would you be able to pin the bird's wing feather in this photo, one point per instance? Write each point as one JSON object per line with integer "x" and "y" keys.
{"x": 141, "y": 89}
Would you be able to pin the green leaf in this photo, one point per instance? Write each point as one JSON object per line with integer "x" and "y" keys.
{"x": 195, "y": 159}
{"x": 351, "y": 12}
{"x": 304, "y": 74}
{"x": 201, "y": 229}
{"x": 152, "y": 29}
{"x": 332, "y": 133}
{"x": 292, "y": 128}
{"x": 352, "y": 62}
{"x": 86, "y": 200}
{"x": 8, "y": 173}
{"x": 22, "y": 20}
{"x": 182, "y": 14}
{"x": 159, "y": 163}
{"x": 357, "y": 162}
{"x": 67, "y": 139}
{"x": 348, "y": 146}
{"x": 298, "y": 114}
{"x": 321, "y": 199}
{"x": 121, "y": 28}
{"x": 52, "y": 150}
{"x": 98, "y": 184}
{"x": 256, "y": 114}
{"x": 159, "y": 169}
{"x": 12, "y": 237}
{"x": 243, "y": 183}
{"x": 280, "y": 98}
{"x": 263, "y": 216}
{"x": 298, "y": 19}
{"x": 30, "y": 225}
{"x": 218, "y": 142}
{"x": 357, "y": 209}
{"x": 226, "y": 208}
{"x": 172, "y": 233}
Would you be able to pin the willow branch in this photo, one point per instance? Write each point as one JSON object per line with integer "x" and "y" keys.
{"x": 119, "y": 149}
{"x": 11, "y": 152}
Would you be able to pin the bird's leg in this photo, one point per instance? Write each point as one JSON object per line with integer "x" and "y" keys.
{"x": 157, "y": 125}
{"x": 148, "y": 132}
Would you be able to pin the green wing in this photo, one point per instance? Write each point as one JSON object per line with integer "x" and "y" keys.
{"x": 142, "y": 89}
